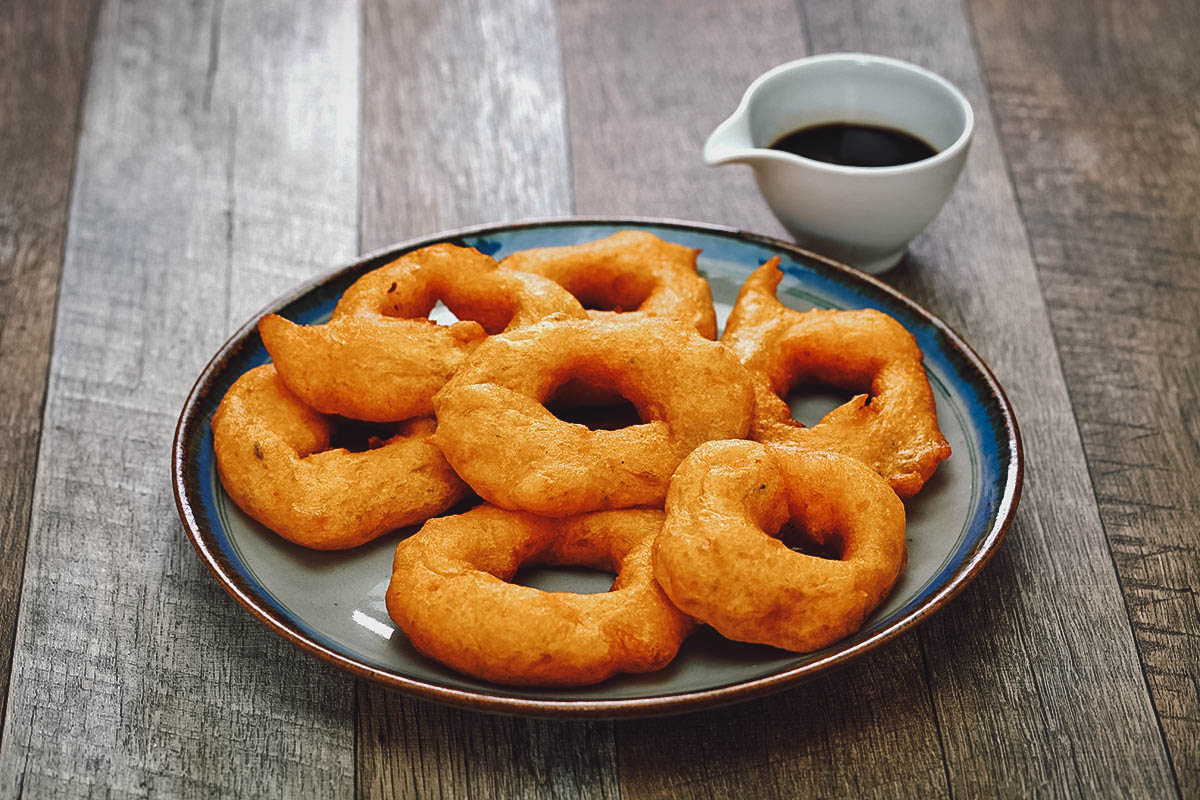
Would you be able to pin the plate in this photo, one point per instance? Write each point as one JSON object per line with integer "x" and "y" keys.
{"x": 332, "y": 604}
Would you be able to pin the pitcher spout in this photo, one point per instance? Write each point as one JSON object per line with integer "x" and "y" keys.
{"x": 730, "y": 143}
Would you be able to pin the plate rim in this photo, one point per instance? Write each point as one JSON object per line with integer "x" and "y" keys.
{"x": 618, "y": 708}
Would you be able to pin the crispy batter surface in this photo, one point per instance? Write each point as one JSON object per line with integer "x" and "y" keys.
{"x": 895, "y": 431}
{"x": 495, "y": 430}
{"x": 718, "y": 560}
{"x": 274, "y": 458}
{"x": 379, "y": 358}
{"x": 630, "y": 272}
{"x": 450, "y": 594}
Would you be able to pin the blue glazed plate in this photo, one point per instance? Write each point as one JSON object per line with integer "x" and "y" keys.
{"x": 332, "y": 604}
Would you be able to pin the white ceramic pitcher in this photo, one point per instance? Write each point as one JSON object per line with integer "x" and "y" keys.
{"x": 864, "y": 216}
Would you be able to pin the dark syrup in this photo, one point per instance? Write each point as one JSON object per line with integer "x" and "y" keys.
{"x": 854, "y": 145}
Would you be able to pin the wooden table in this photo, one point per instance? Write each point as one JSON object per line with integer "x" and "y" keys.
{"x": 168, "y": 168}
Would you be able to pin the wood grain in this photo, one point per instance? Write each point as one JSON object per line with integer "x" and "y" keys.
{"x": 44, "y": 49}
{"x": 462, "y": 117}
{"x": 646, "y": 83}
{"x": 216, "y": 166}
{"x": 1035, "y": 674}
{"x": 463, "y": 123}
{"x": 1096, "y": 105}
{"x": 412, "y": 748}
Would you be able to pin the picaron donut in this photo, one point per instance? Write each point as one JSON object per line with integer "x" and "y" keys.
{"x": 451, "y": 594}
{"x": 893, "y": 429}
{"x": 495, "y": 430}
{"x": 274, "y": 457}
{"x": 628, "y": 273}
{"x": 719, "y": 560}
{"x": 379, "y": 358}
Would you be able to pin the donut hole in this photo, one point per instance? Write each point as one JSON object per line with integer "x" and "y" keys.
{"x": 596, "y": 404}
{"x": 810, "y": 400}
{"x": 441, "y": 314}
{"x": 570, "y": 579}
{"x": 624, "y": 292}
{"x": 359, "y": 437}
{"x": 494, "y": 315}
{"x": 443, "y": 296}
{"x": 831, "y": 546}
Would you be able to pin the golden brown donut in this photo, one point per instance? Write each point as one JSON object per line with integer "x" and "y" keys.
{"x": 450, "y": 594}
{"x": 495, "y": 430}
{"x": 379, "y": 358}
{"x": 274, "y": 458}
{"x": 718, "y": 560}
{"x": 895, "y": 431}
{"x": 630, "y": 272}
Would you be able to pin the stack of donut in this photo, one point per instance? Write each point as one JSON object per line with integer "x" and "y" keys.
{"x": 718, "y": 508}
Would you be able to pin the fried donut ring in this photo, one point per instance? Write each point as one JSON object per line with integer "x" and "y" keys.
{"x": 717, "y": 560}
{"x": 274, "y": 458}
{"x": 379, "y": 359}
{"x": 630, "y": 272}
{"x": 450, "y": 595}
{"x": 498, "y": 435}
{"x": 895, "y": 432}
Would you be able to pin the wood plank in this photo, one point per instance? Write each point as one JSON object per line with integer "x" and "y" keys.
{"x": 1035, "y": 673}
{"x": 411, "y": 748}
{"x": 462, "y": 124}
{"x": 462, "y": 117}
{"x": 646, "y": 83}
{"x": 1096, "y": 108}
{"x": 44, "y": 53}
{"x": 645, "y": 87}
{"x": 217, "y": 164}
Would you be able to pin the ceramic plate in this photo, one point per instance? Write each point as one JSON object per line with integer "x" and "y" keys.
{"x": 332, "y": 604}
